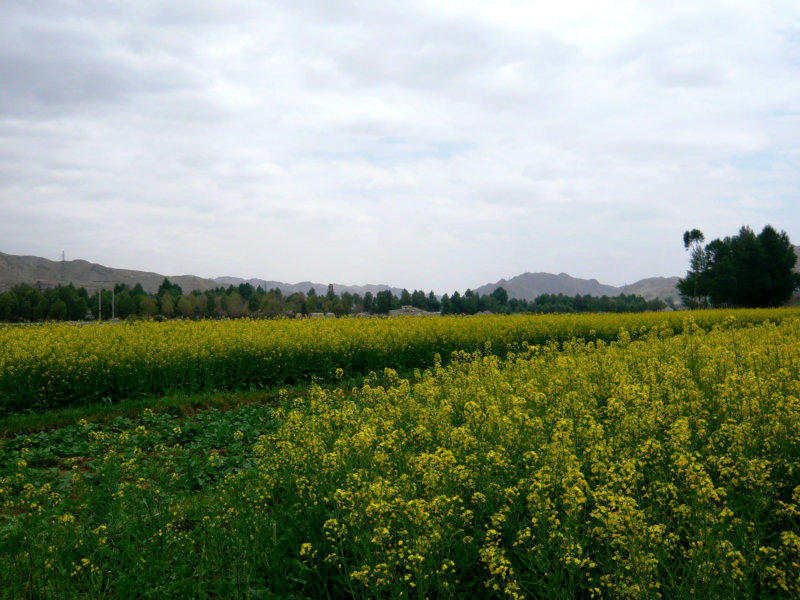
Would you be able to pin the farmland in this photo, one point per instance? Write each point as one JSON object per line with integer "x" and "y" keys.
{"x": 54, "y": 365}
{"x": 640, "y": 456}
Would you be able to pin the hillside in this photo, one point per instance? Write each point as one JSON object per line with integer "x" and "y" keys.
{"x": 653, "y": 287}
{"x": 530, "y": 285}
{"x": 34, "y": 270}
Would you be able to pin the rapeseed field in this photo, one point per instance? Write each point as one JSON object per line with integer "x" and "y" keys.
{"x": 54, "y": 364}
{"x": 612, "y": 459}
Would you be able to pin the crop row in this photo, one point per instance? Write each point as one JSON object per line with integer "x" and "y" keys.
{"x": 56, "y": 365}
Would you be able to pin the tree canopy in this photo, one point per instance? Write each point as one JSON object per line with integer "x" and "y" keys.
{"x": 746, "y": 270}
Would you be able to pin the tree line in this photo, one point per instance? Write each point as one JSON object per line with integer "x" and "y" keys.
{"x": 744, "y": 270}
{"x": 26, "y": 303}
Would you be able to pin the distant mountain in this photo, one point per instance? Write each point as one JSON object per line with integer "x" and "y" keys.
{"x": 34, "y": 270}
{"x": 304, "y": 286}
{"x": 654, "y": 287}
{"x": 530, "y": 285}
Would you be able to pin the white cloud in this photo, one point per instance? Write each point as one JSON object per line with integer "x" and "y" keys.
{"x": 434, "y": 145}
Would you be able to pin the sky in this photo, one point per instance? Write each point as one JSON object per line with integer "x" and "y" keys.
{"x": 435, "y": 145}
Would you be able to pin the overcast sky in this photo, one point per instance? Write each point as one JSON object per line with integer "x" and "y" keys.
{"x": 434, "y": 144}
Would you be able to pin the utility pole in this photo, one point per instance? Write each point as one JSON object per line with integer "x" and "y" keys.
{"x": 100, "y": 300}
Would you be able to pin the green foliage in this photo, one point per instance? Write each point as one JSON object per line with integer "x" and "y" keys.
{"x": 383, "y": 302}
{"x": 746, "y": 270}
{"x": 167, "y": 287}
{"x": 25, "y": 303}
{"x": 500, "y": 295}
{"x": 498, "y": 302}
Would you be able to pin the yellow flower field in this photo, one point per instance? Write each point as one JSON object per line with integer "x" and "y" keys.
{"x": 654, "y": 465}
{"x": 51, "y": 365}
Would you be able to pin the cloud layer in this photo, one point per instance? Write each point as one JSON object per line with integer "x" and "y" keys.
{"x": 436, "y": 145}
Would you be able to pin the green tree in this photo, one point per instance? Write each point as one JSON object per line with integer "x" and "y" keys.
{"x": 173, "y": 289}
{"x": 369, "y": 303}
{"x": 746, "y": 270}
{"x": 314, "y": 303}
{"x": 185, "y": 306}
{"x": 58, "y": 310}
{"x": 167, "y": 305}
{"x": 383, "y": 302}
{"x": 148, "y": 306}
{"x": 125, "y": 305}
{"x": 246, "y": 291}
{"x": 234, "y": 305}
{"x": 456, "y": 304}
{"x": 210, "y": 308}
{"x": 691, "y": 287}
{"x": 470, "y": 303}
{"x": 8, "y": 306}
{"x": 747, "y": 260}
{"x": 273, "y": 303}
{"x": 446, "y": 305}
{"x": 296, "y": 303}
{"x": 253, "y": 304}
{"x": 418, "y": 300}
{"x": 348, "y": 301}
{"x": 433, "y": 304}
{"x": 500, "y": 295}
{"x": 778, "y": 261}
{"x": 721, "y": 288}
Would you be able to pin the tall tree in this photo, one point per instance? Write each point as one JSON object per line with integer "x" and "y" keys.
{"x": 383, "y": 302}
{"x": 779, "y": 260}
{"x": 691, "y": 289}
{"x": 173, "y": 289}
{"x": 500, "y": 295}
{"x": 745, "y": 270}
{"x": 369, "y": 303}
{"x": 433, "y": 304}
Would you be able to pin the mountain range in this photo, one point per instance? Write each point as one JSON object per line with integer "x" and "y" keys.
{"x": 34, "y": 270}
{"x": 530, "y": 285}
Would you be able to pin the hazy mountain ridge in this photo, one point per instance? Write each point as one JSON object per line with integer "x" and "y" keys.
{"x": 527, "y": 286}
{"x": 36, "y": 270}
{"x": 530, "y": 285}
{"x": 654, "y": 287}
{"x": 33, "y": 270}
